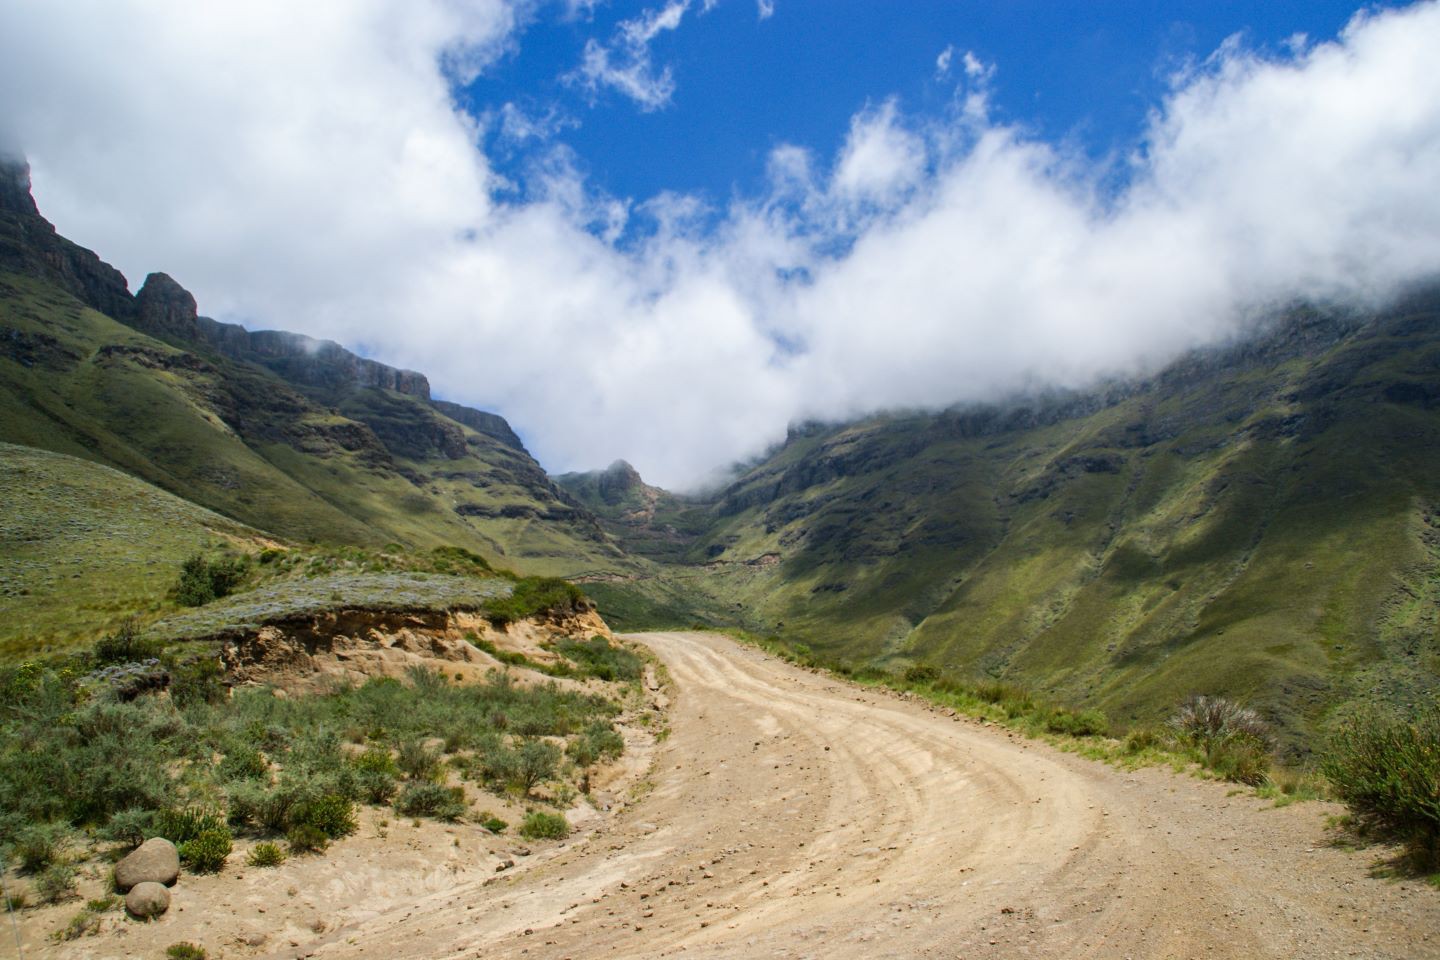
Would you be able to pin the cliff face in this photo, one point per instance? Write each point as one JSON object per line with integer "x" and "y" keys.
{"x": 293, "y": 435}
{"x": 29, "y": 245}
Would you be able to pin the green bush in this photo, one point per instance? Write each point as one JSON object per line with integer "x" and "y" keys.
{"x": 306, "y": 839}
{"x": 124, "y": 646}
{"x": 1386, "y": 769}
{"x": 921, "y": 673}
{"x": 418, "y": 761}
{"x": 266, "y": 854}
{"x": 332, "y": 815}
{"x": 539, "y": 825}
{"x": 243, "y": 762}
{"x": 535, "y": 597}
{"x": 198, "y": 680}
{"x": 41, "y": 846}
{"x": 492, "y": 823}
{"x": 203, "y": 580}
{"x": 1230, "y": 739}
{"x": 1142, "y": 739}
{"x": 596, "y": 657}
{"x": 129, "y": 827}
{"x": 184, "y": 951}
{"x": 424, "y": 799}
{"x": 537, "y": 762}
{"x": 1087, "y": 723}
{"x": 377, "y": 786}
{"x": 208, "y": 851}
{"x": 55, "y": 883}
{"x": 180, "y": 825}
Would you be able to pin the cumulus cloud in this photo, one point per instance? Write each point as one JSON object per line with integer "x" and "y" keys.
{"x": 625, "y": 64}
{"x": 765, "y": 8}
{"x": 306, "y": 168}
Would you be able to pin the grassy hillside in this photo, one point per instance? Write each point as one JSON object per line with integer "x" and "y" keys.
{"x": 83, "y": 546}
{"x": 1259, "y": 521}
{"x": 236, "y": 438}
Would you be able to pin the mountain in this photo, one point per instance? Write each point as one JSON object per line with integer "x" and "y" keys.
{"x": 1260, "y": 520}
{"x": 290, "y": 435}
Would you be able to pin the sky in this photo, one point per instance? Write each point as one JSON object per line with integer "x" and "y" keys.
{"x": 663, "y": 231}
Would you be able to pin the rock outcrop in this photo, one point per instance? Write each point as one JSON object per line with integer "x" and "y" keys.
{"x": 166, "y": 310}
{"x": 29, "y": 245}
{"x": 490, "y": 424}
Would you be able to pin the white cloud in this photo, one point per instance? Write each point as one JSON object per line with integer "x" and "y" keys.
{"x": 305, "y": 168}
{"x": 942, "y": 62}
{"x": 626, "y": 66}
{"x": 765, "y": 8}
{"x": 880, "y": 161}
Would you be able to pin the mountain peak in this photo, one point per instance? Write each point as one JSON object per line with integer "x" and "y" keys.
{"x": 166, "y": 309}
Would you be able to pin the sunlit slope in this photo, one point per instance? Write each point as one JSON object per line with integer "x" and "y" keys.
{"x": 236, "y": 438}
{"x": 1258, "y": 521}
{"x": 82, "y": 546}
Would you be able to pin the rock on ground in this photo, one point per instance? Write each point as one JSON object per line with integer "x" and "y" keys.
{"x": 147, "y": 899}
{"x": 154, "y": 861}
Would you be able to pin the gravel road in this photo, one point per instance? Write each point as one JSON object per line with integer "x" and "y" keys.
{"x": 793, "y": 815}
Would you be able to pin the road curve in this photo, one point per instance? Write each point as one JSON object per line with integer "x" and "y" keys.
{"x": 794, "y": 815}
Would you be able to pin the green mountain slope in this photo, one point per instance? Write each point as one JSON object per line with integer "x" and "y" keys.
{"x": 1258, "y": 521}
{"x": 290, "y": 435}
{"x": 83, "y": 546}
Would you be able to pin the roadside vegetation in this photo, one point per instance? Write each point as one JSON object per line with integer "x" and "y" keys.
{"x": 140, "y": 736}
{"x": 1209, "y": 735}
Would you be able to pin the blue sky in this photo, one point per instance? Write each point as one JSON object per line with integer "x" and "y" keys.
{"x": 1083, "y": 73}
{"x": 664, "y": 231}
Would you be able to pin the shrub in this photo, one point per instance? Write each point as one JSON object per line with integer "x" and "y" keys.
{"x": 596, "y": 657}
{"x": 921, "y": 673}
{"x": 377, "y": 786}
{"x": 332, "y": 815}
{"x": 207, "y": 852}
{"x": 266, "y": 854}
{"x": 243, "y": 762}
{"x": 539, "y": 825}
{"x": 124, "y": 646}
{"x": 598, "y": 742}
{"x": 492, "y": 823}
{"x": 129, "y": 827}
{"x": 306, "y": 839}
{"x": 1232, "y": 740}
{"x": 180, "y": 825}
{"x": 1087, "y": 723}
{"x": 534, "y": 597}
{"x": 55, "y": 883}
{"x": 421, "y": 799}
{"x": 204, "y": 580}
{"x": 537, "y": 762}
{"x": 84, "y": 924}
{"x": 418, "y": 761}
{"x": 198, "y": 680}
{"x": 1386, "y": 769}
{"x": 41, "y": 846}
{"x": 184, "y": 951}
{"x": 1202, "y": 720}
{"x": 1143, "y": 738}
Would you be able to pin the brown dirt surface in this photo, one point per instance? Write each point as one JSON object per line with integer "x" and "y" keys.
{"x": 795, "y": 815}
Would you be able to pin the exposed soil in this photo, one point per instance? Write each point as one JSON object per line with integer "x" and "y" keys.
{"x": 793, "y": 815}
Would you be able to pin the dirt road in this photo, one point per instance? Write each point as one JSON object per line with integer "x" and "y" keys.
{"x": 796, "y": 816}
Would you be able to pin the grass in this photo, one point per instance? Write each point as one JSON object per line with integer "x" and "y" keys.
{"x": 74, "y": 757}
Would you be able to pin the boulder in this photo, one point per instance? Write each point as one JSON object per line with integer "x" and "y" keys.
{"x": 148, "y": 899}
{"x": 154, "y": 861}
